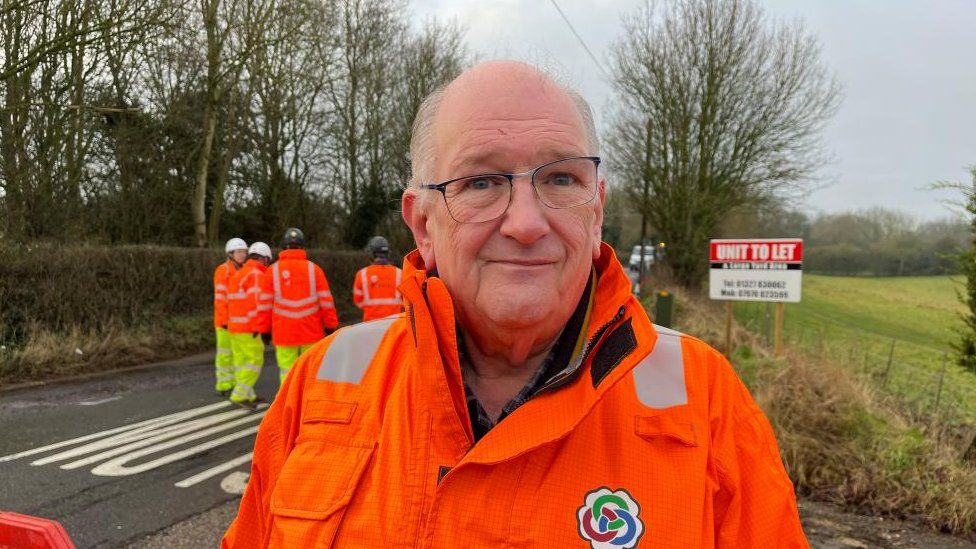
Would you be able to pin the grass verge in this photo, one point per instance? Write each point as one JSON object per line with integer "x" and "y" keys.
{"x": 843, "y": 439}
{"x": 49, "y": 355}
{"x": 894, "y": 331}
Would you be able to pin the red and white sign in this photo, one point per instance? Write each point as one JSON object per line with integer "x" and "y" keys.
{"x": 756, "y": 270}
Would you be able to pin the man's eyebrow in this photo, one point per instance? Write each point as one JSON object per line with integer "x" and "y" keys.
{"x": 475, "y": 163}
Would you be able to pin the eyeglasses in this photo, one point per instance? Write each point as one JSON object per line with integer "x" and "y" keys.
{"x": 564, "y": 183}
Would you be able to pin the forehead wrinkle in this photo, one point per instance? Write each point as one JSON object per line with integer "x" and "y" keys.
{"x": 499, "y": 154}
{"x": 476, "y": 146}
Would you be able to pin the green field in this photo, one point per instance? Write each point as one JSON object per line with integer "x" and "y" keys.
{"x": 856, "y": 321}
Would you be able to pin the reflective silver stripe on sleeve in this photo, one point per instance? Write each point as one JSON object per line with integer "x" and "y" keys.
{"x": 660, "y": 377}
{"x": 352, "y": 350}
{"x": 362, "y": 278}
{"x": 220, "y": 287}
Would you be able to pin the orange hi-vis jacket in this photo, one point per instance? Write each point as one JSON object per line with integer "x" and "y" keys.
{"x": 295, "y": 297}
{"x": 221, "y": 278}
{"x": 375, "y": 291}
{"x": 648, "y": 437}
{"x": 243, "y": 305}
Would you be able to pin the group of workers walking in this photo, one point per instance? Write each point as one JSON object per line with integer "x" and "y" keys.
{"x": 287, "y": 303}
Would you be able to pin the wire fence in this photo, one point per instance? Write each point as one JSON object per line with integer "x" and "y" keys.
{"x": 922, "y": 381}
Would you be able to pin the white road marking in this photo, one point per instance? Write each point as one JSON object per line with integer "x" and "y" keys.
{"x": 235, "y": 483}
{"x": 222, "y": 425}
{"x": 124, "y": 445}
{"x": 173, "y": 426}
{"x": 214, "y": 471}
{"x": 178, "y": 415}
{"x": 117, "y": 467}
{"x": 97, "y": 402}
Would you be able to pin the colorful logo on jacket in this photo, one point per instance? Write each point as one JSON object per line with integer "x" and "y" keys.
{"x": 609, "y": 520}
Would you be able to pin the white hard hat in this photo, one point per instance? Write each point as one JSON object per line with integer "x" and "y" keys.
{"x": 260, "y": 248}
{"x": 235, "y": 244}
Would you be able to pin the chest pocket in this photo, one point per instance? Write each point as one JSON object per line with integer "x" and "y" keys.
{"x": 318, "y": 480}
{"x": 675, "y": 425}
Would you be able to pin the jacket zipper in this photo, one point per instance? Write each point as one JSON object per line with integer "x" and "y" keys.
{"x": 562, "y": 379}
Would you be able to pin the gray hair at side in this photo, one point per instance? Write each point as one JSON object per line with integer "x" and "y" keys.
{"x": 422, "y": 154}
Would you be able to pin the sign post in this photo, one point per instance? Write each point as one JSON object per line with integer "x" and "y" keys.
{"x": 756, "y": 270}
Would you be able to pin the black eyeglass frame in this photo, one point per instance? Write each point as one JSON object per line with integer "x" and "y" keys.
{"x": 442, "y": 187}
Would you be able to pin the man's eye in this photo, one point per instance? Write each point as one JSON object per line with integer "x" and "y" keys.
{"x": 478, "y": 184}
{"x": 561, "y": 179}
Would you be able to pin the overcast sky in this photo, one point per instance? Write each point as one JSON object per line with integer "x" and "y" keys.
{"x": 908, "y": 70}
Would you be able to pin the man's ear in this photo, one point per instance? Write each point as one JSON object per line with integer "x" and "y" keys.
{"x": 416, "y": 215}
{"x": 601, "y": 199}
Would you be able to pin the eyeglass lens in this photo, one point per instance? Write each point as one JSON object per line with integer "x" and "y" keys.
{"x": 562, "y": 184}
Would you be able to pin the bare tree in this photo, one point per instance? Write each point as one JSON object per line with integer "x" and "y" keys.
{"x": 234, "y": 30}
{"x": 49, "y": 60}
{"x": 173, "y": 121}
{"x": 716, "y": 108}
{"x": 286, "y": 114}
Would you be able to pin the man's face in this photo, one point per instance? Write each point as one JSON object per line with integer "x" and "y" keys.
{"x": 530, "y": 265}
{"x": 238, "y": 256}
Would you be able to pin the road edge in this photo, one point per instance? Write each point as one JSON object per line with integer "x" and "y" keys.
{"x": 206, "y": 356}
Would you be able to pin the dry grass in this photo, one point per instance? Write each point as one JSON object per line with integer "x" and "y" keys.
{"x": 842, "y": 440}
{"x": 47, "y": 354}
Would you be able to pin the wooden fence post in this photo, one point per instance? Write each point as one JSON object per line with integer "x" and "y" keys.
{"x": 891, "y": 356}
{"x": 938, "y": 392}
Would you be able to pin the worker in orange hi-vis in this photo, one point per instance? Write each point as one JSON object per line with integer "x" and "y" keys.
{"x": 523, "y": 399}
{"x": 248, "y": 327}
{"x": 236, "y": 250}
{"x": 297, "y": 301}
{"x": 375, "y": 289}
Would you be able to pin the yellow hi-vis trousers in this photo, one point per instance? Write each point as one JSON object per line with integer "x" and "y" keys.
{"x": 286, "y": 356}
{"x": 224, "y": 362}
{"x": 248, "y": 360}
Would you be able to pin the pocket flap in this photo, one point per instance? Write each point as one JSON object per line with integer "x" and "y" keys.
{"x": 674, "y": 425}
{"x": 328, "y": 411}
{"x": 318, "y": 479}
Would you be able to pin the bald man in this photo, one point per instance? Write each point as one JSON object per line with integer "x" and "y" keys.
{"x": 523, "y": 398}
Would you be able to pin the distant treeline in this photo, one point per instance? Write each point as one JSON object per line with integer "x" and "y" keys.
{"x": 873, "y": 242}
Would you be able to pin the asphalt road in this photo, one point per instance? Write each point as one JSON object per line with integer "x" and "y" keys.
{"x": 118, "y": 458}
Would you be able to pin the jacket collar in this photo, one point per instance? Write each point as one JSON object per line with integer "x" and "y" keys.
{"x": 292, "y": 254}
{"x": 612, "y": 291}
{"x": 555, "y": 410}
{"x": 254, "y": 264}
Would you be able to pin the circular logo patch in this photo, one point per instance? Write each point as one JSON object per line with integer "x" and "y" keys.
{"x": 609, "y": 520}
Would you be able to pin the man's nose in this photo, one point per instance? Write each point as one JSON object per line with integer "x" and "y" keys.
{"x": 525, "y": 220}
